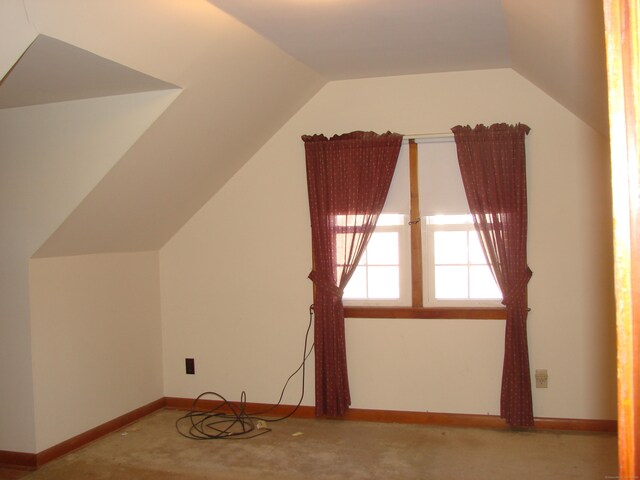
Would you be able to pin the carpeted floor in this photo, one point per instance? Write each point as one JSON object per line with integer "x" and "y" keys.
{"x": 327, "y": 450}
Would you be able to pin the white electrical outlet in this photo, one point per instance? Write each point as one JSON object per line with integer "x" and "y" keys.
{"x": 542, "y": 379}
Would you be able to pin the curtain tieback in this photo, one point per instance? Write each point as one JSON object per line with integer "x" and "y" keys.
{"x": 518, "y": 288}
{"x": 322, "y": 283}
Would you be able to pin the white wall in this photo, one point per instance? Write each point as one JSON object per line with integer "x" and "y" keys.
{"x": 235, "y": 292}
{"x": 15, "y": 353}
{"x": 17, "y": 33}
{"x": 95, "y": 328}
{"x": 52, "y": 156}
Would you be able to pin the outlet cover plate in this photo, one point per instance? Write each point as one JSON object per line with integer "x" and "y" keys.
{"x": 190, "y": 366}
{"x": 542, "y": 379}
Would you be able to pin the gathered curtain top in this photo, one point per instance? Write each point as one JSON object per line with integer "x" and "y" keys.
{"x": 496, "y": 128}
{"x": 357, "y": 135}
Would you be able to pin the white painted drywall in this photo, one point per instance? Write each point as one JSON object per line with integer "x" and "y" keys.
{"x": 15, "y": 363}
{"x": 95, "y": 328}
{"x": 52, "y": 156}
{"x": 17, "y": 33}
{"x": 235, "y": 292}
{"x": 136, "y": 189}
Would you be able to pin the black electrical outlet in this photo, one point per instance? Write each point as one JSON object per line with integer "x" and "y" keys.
{"x": 190, "y": 365}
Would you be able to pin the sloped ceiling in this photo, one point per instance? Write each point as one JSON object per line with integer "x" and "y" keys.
{"x": 244, "y": 75}
{"x": 238, "y": 89}
{"x": 53, "y": 71}
{"x": 372, "y": 38}
{"x": 557, "y": 45}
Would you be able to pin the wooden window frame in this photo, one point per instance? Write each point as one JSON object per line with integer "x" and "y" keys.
{"x": 417, "y": 310}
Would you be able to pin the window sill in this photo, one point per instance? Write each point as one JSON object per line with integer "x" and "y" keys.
{"x": 466, "y": 313}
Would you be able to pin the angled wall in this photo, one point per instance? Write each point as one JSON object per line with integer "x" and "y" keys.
{"x": 559, "y": 47}
{"x": 52, "y": 156}
{"x": 238, "y": 89}
{"x": 70, "y": 187}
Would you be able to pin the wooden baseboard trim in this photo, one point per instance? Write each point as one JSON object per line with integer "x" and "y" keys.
{"x": 18, "y": 460}
{"x": 576, "y": 424}
{"x": 90, "y": 435}
{"x": 426, "y": 418}
{"x": 257, "y": 409}
{"x": 419, "y": 418}
{"x": 31, "y": 461}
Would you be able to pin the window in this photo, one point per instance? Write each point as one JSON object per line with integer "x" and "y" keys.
{"x": 418, "y": 268}
{"x": 456, "y": 266}
{"x": 377, "y": 278}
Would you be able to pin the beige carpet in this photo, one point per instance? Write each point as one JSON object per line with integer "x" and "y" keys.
{"x": 325, "y": 449}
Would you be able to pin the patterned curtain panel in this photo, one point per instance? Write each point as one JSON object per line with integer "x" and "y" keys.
{"x": 348, "y": 177}
{"x": 493, "y": 167}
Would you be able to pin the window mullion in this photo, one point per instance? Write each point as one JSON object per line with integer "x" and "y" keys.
{"x": 416, "y": 228}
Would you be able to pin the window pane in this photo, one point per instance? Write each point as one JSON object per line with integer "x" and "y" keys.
{"x": 344, "y": 246}
{"x": 349, "y": 220}
{"x": 450, "y": 247}
{"x": 341, "y": 240}
{"x": 386, "y": 219}
{"x": 482, "y": 283}
{"x": 475, "y": 249}
{"x": 384, "y": 282}
{"x": 451, "y": 282}
{"x": 383, "y": 249}
{"x": 357, "y": 286}
{"x": 448, "y": 219}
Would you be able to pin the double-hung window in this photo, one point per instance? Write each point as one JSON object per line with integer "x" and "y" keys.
{"x": 424, "y": 259}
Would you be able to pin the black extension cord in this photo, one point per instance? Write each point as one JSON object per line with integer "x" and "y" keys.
{"x": 215, "y": 424}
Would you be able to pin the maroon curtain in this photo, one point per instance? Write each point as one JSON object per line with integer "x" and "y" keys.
{"x": 493, "y": 167}
{"x": 348, "y": 178}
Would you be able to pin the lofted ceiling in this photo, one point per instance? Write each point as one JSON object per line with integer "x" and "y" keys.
{"x": 248, "y": 65}
{"x": 557, "y": 45}
{"x": 374, "y": 38}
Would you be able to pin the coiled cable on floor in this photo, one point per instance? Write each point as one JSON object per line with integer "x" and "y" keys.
{"x": 229, "y": 420}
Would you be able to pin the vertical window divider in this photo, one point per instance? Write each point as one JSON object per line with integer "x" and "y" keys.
{"x": 416, "y": 229}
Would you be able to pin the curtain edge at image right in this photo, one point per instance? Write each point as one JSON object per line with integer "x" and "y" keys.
{"x": 493, "y": 168}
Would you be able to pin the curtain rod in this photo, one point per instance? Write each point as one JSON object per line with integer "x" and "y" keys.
{"x": 428, "y": 137}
